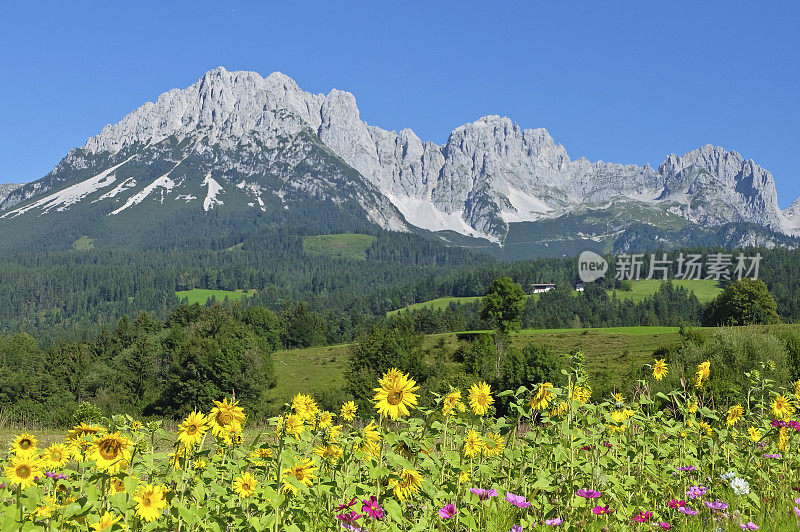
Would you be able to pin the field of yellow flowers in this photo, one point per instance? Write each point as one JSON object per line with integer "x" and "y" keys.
{"x": 562, "y": 459}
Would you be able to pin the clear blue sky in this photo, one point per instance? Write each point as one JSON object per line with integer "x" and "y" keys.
{"x": 626, "y": 82}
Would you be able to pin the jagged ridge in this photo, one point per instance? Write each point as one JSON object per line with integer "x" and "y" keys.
{"x": 490, "y": 173}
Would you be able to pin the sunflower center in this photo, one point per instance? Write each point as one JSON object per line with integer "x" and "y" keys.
{"x": 224, "y": 418}
{"x": 395, "y": 397}
{"x": 25, "y": 444}
{"x": 191, "y": 430}
{"x": 109, "y": 449}
{"x": 23, "y": 471}
{"x": 55, "y": 456}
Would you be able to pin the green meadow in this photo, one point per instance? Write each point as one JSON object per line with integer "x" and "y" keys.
{"x": 202, "y": 295}
{"x": 704, "y": 289}
{"x": 344, "y": 246}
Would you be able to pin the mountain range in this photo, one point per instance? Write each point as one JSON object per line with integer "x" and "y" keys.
{"x": 236, "y": 149}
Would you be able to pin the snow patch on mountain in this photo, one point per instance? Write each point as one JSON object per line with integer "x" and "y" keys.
{"x": 526, "y": 207}
{"x": 214, "y": 189}
{"x": 122, "y": 187}
{"x": 254, "y": 190}
{"x": 62, "y": 199}
{"x": 163, "y": 182}
{"x": 423, "y": 213}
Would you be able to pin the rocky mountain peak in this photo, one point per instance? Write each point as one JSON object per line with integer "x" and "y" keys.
{"x": 490, "y": 173}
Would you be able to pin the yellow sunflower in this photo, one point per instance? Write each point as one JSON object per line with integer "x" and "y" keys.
{"x": 82, "y": 430}
{"x": 302, "y": 471}
{"x": 177, "y": 459}
{"x": 56, "y": 456}
{"x": 782, "y": 408}
{"x": 621, "y": 415}
{"x": 115, "y": 485}
{"x": 473, "y": 444}
{"x": 560, "y": 410}
{"x": 22, "y": 470}
{"x": 79, "y": 449}
{"x": 493, "y": 444}
{"x": 542, "y": 397}
{"x": 43, "y": 512}
{"x": 396, "y": 396}
{"x": 226, "y": 418}
{"x": 480, "y": 398}
{"x": 660, "y": 369}
{"x": 581, "y": 394}
{"x": 245, "y": 485}
{"x": 370, "y": 438}
{"x": 334, "y": 432}
{"x": 734, "y": 415}
{"x": 702, "y": 374}
{"x": 452, "y": 402}
{"x": 390, "y": 376}
{"x": 325, "y": 420}
{"x": 192, "y": 430}
{"x": 407, "y": 485}
{"x": 258, "y": 456}
{"x": 150, "y": 502}
{"x": 304, "y": 406}
{"x": 106, "y": 521}
{"x": 25, "y": 443}
{"x": 111, "y": 452}
{"x": 293, "y": 424}
{"x": 783, "y": 439}
{"x": 755, "y": 434}
{"x": 330, "y": 452}
{"x": 693, "y": 406}
{"x": 348, "y": 411}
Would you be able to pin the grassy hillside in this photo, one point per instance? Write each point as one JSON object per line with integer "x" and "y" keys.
{"x": 347, "y": 246}
{"x": 202, "y": 295}
{"x": 438, "y": 303}
{"x": 704, "y": 289}
{"x": 613, "y": 349}
{"x": 315, "y": 368}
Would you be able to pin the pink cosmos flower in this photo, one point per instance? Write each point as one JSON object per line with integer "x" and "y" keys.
{"x": 797, "y": 511}
{"x": 346, "y": 505}
{"x": 448, "y": 511}
{"x": 686, "y": 468}
{"x": 601, "y": 510}
{"x": 717, "y": 505}
{"x": 696, "y": 492}
{"x": 687, "y": 511}
{"x": 748, "y": 526}
{"x": 557, "y": 521}
{"x": 517, "y": 500}
{"x": 349, "y": 519}
{"x": 675, "y": 503}
{"x": 665, "y": 526}
{"x": 588, "y": 494}
{"x": 372, "y": 508}
{"x": 775, "y": 456}
{"x": 517, "y": 528}
{"x": 643, "y": 517}
{"x": 483, "y": 494}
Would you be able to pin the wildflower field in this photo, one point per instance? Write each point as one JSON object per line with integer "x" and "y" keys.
{"x": 561, "y": 459}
